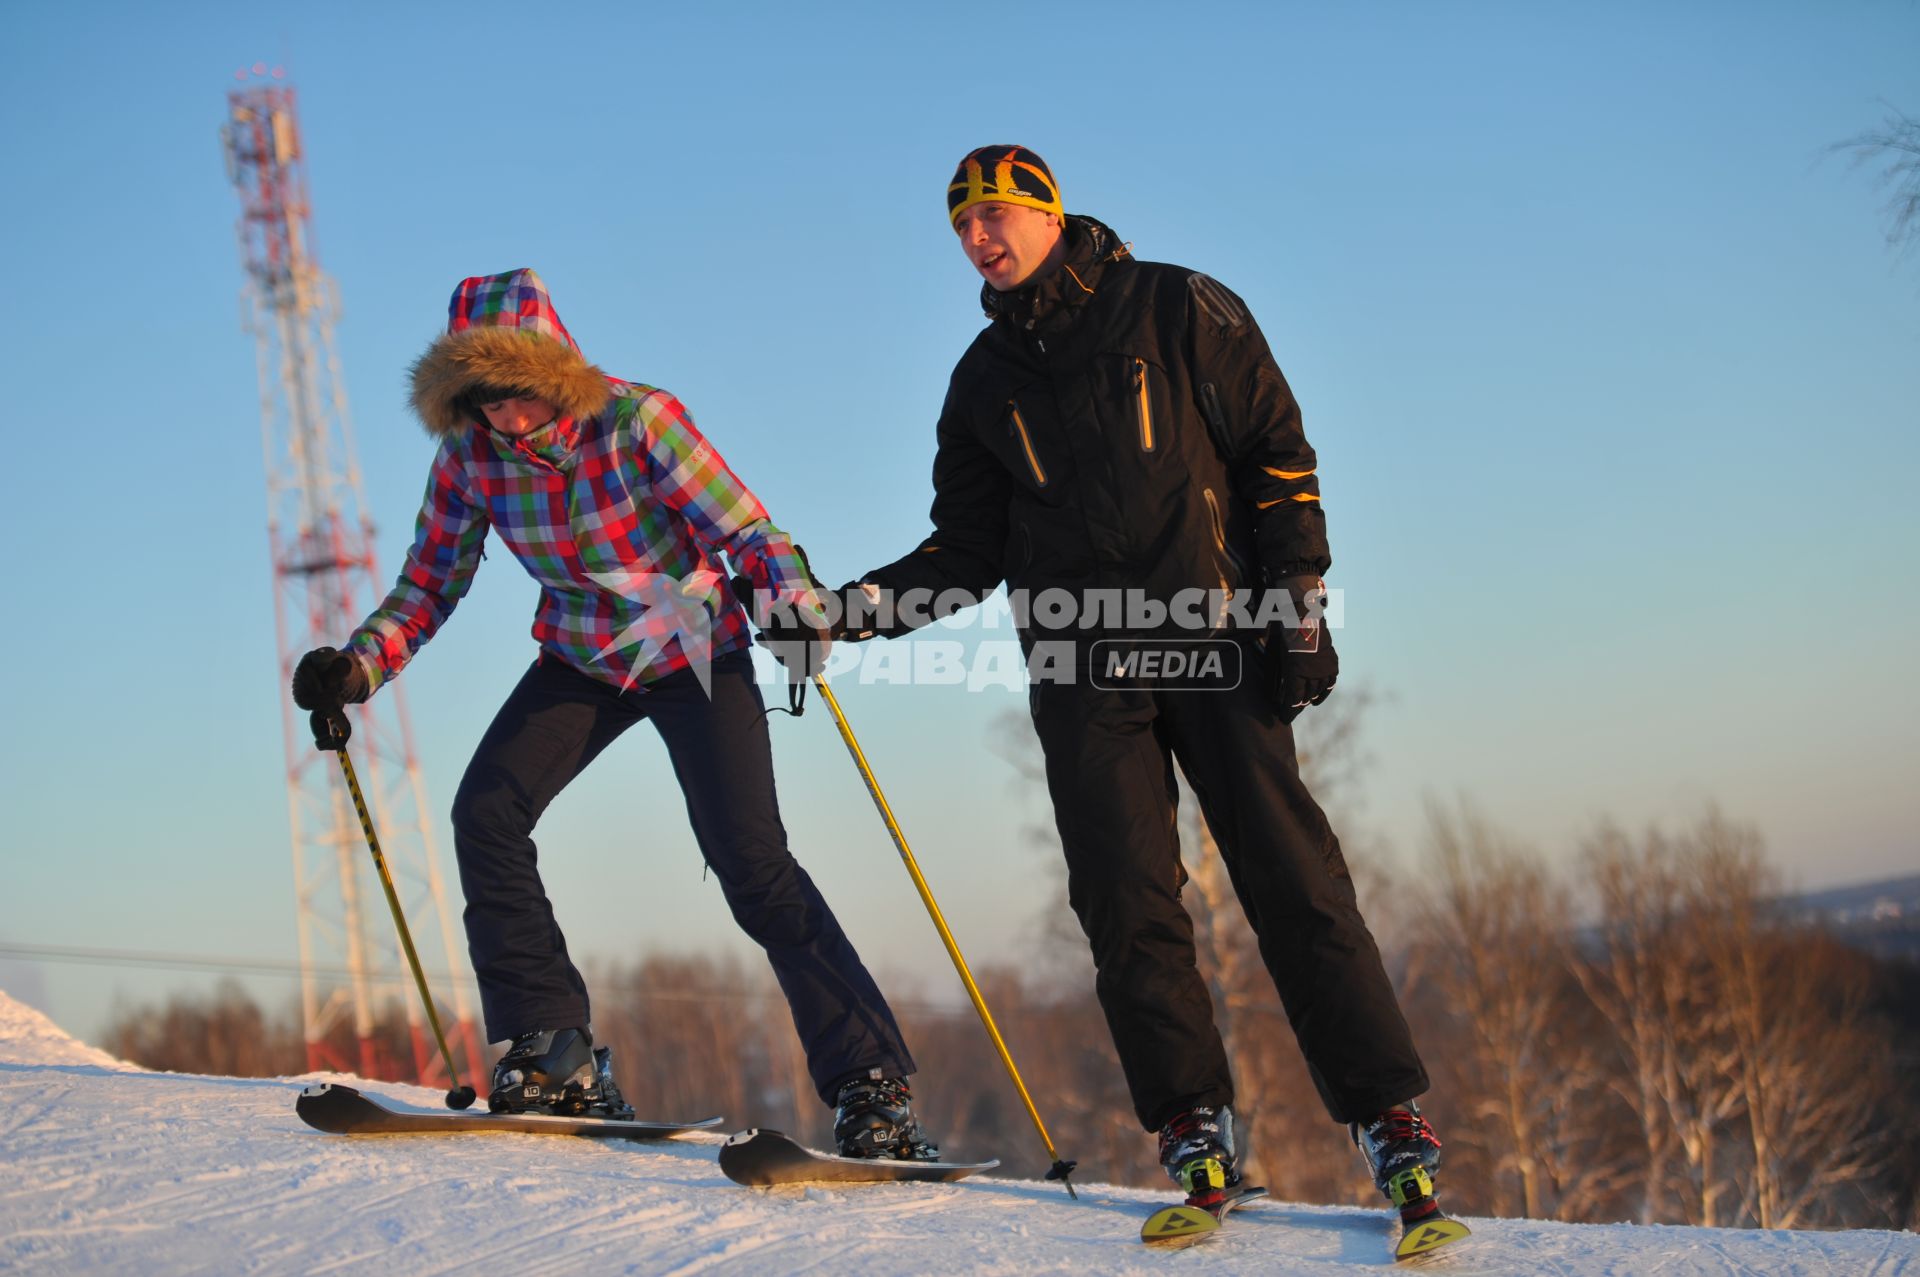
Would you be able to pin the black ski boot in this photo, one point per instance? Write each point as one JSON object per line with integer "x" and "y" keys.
{"x": 1196, "y": 1147}
{"x": 873, "y": 1117}
{"x": 1402, "y": 1154}
{"x": 557, "y": 1071}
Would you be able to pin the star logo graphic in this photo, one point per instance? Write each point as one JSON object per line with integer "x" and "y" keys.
{"x": 671, "y": 608}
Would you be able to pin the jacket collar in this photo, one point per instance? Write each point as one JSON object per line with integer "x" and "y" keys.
{"x": 1091, "y": 248}
{"x": 553, "y": 445}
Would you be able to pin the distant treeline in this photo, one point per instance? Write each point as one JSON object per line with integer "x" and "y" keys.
{"x": 1644, "y": 1039}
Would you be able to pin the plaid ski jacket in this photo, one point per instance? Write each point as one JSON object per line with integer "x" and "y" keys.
{"x": 620, "y": 509}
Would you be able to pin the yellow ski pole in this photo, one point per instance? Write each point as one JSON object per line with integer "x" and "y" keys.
{"x": 330, "y": 731}
{"x": 1060, "y": 1169}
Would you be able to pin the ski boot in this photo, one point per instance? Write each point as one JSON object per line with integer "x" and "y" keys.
{"x": 1196, "y": 1147}
{"x": 557, "y": 1071}
{"x": 873, "y": 1117}
{"x": 1402, "y": 1153}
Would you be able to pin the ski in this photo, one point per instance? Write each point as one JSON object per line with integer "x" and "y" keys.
{"x": 1425, "y": 1228}
{"x": 1183, "y": 1225}
{"x": 760, "y": 1159}
{"x": 341, "y": 1110}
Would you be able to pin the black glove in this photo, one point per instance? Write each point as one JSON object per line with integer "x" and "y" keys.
{"x": 858, "y": 617}
{"x": 1301, "y": 664}
{"x": 798, "y": 638}
{"x": 326, "y": 678}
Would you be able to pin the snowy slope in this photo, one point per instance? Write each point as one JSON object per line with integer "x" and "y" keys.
{"x": 112, "y": 1169}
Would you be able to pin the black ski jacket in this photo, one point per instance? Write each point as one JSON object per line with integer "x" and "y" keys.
{"x": 1120, "y": 426}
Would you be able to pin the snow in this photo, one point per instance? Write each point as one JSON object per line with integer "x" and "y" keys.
{"x": 114, "y": 1169}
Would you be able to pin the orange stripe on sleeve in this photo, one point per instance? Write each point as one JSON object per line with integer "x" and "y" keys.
{"x": 1298, "y": 496}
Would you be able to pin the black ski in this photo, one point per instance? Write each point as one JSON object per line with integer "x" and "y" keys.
{"x": 341, "y": 1110}
{"x": 760, "y": 1159}
{"x": 1183, "y": 1225}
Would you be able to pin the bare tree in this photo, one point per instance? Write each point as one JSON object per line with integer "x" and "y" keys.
{"x": 1811, "y": 1073}
{"x": 1059, "y": 1039}
{"x": 699, "y": 1035}
{"x": 1760, "y": 1085}
{"x": 226, "y": 1033}
{"x": 1643, "y": 981}
{"x": 1508, "y": 1029}
{"x": 1896, "y": 145}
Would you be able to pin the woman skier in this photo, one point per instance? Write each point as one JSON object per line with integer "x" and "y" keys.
{"x": 619, "y": 508}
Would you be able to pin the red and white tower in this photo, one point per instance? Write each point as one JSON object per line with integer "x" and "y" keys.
{"x": 325, "y": 581}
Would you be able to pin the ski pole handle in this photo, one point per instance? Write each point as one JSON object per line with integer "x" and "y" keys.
{"x": 331, "y": 729}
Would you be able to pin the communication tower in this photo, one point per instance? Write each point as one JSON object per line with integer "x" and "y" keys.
{"x": 325, "y": 580}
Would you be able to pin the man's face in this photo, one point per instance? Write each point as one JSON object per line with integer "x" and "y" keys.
{"x": 518, "y": 418}
{"x": 1007, "y": 243}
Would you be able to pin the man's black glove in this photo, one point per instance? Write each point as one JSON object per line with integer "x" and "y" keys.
{"x": 1302, "y": 666}
{"x": 326, "y": 679}
{"x": 859, "y": 611}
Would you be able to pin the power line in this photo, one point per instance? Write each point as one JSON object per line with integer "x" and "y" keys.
{"x": 135, "y": 958}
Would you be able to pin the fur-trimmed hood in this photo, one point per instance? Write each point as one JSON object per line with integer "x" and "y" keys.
{"x": 502, "y": 330}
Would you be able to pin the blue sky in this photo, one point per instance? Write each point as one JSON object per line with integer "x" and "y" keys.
{"x": 1611, "y": 373}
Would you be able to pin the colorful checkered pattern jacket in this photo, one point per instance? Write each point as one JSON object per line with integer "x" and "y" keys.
{"x": 621, "y": 511}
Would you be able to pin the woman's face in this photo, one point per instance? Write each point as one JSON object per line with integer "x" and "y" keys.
{"x": 517, "y": 418}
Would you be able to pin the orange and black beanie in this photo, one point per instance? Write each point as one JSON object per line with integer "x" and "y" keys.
{"x": 1010, "y": 174}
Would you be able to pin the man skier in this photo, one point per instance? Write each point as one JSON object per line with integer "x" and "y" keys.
{"x": 619, "y": 508}
{"x": 1122, "y": 426}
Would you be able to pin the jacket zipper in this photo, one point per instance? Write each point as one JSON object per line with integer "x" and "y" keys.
{"x": 1026, "y": 443}
{"x": 1216, "y": 417}
{"x": 1145, "y": 406}
{"x": 1220, "y": 544}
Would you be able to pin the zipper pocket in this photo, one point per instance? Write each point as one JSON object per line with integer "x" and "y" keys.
{"x": 1215, "y": 415}
{"x": 1145, "y": 406}
{"x": 1220, "y": 539}
{"x": 1019, "y": 426}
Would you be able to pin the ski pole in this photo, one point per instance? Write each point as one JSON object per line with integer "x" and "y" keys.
{"x": 330, "y": 731}
{"x": 1060, "y": 1169}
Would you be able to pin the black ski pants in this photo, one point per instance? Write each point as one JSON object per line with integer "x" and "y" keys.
{"x": 1110, "y": 757}
{"x": 555, "y": 722}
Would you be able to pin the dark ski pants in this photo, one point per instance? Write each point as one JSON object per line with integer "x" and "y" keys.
{"x": 1110, "y": 757}
{"x": 556, "y": 721}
